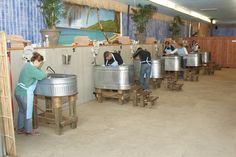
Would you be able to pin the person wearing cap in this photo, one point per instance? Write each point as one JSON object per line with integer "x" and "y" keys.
{"x": 112, "y": 59}
{"x": 145, "y": 70}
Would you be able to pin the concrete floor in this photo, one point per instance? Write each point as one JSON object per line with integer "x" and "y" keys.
{"x": 200, "y": 121}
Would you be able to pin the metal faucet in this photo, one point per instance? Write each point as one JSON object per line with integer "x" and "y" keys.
{"x": 50, "y": 68}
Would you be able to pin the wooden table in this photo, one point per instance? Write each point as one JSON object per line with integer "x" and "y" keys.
{"x": 53, "y": 113}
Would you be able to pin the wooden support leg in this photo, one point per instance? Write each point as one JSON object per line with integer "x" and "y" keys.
{"x": 48, "y": 102}
{"x": 135, "y": 103}
{"x": 99, "y": 95}
{"x": 141, "y": 102}
{"x": 58, "y": 114}
{"x": 159, "y": 83}
{"x": 49, "y": 109}
{"x": 72, "y": 111}
{"x": 121, "y": 97}
{"x": 185, "y": 75}
{"x": 176, "y": 75}
{"x": 149, "y": 104}
{"x": 154, "y": 83}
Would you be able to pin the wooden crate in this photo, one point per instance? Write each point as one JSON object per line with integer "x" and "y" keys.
{"x": 121, "y": 95}
{"x": 171, "y": 82}
{"x": 143, "y": 98}
{"x": 155, "y": 83}
{"x": 191, "y": 74}
{"x": 208, "y": 69}
{"x": 54, "y": 115}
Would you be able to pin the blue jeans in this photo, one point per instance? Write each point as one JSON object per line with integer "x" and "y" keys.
{"x": 184, "y": 63}
{"x": 145, "y": 71}
{"x": 23, "y": 123}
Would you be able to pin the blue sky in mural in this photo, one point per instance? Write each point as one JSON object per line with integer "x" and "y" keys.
{"x": 69, "y": 32}
{"x": 105, "y": 15}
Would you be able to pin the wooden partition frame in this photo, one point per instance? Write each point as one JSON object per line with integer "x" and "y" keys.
{"x": 223, "y": 49}
{"x": 6, "y": 116}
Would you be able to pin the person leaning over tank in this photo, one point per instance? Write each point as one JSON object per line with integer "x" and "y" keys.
{"x": 195, "y": 46}
{"x": 145, "y": 70}
{"x": 112, "y": 59}
{"x": 24, "y": 93}
{"x": 168, "y": 48}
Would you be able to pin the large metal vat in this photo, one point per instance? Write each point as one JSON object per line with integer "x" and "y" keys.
{"x": 137, "y": 66}
{"x": 157, "y": 68}
{"x": 117, "y": 78}
{"x": 57, "y": 85}
{"x": 206, "y": 57}
{"x": 193, "y": 60}
{"x": 173, "y": 63}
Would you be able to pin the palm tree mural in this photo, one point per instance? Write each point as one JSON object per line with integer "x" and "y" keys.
{"x": 117, "y": 21}
{"x": 74, "y": 12}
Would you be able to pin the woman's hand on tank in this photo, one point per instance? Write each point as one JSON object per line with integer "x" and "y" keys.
{"x": 47, "y": 72}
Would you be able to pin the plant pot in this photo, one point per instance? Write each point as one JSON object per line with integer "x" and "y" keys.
{"x": 141, "y": 37}
{"x": 53, "y": 36}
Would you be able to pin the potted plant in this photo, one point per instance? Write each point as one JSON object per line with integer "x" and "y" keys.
{"x": 174, "y": 26}
{"x": 141, "y": 16}
{"x": 52, "y": 10}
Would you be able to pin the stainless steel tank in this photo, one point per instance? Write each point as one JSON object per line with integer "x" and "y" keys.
{"x": 57, "y": 85}
{"x": 157, "y": 68}
{"x": 206, "y": 57}
{"x": 172, "y": 63}
{"x": 193, "y": 60}
{"x": 116, "y": 78}
{"x": 137, "y": 67}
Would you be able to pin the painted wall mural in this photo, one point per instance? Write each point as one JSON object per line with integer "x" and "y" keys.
{"x": 23, "y": 17}
{"x": 86, "y": 21}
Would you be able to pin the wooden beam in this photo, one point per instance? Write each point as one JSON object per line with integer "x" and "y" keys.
{"x": 6, "y": 115}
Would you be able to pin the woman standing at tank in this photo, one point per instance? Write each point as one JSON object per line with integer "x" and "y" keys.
{"x": 24, "y": 93}
{"x": 181, "y": 51}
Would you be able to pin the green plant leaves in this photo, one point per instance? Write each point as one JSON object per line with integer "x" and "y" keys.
{"x": 142, "y": 15}
{"x": 52, "y": 11}
{"x": 174, "y": 26}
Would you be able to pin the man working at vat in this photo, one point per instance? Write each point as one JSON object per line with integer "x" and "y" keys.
{"x": 145, "y": 70}
{"x": 168, "y": 48}
{"x": 195, "y": 46}
{"x": 24, "y": 93}
{"x": 112, "y": 59}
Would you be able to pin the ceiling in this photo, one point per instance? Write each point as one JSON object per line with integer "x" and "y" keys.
{"x": 224, "y": 14}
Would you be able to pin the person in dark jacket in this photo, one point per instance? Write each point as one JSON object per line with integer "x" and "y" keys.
{"x": 145, "y": 70}
{"x": 112, "y": 59}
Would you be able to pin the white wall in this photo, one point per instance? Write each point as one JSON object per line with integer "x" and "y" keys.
{"x": 80, "y": 65}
